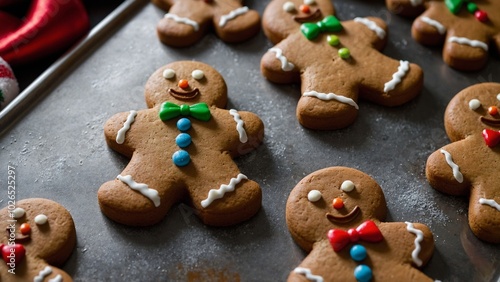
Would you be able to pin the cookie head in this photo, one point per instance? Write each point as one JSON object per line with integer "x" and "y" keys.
{"x": 472, "y": 110}
{"x": 44, "y": 228}
{"x": 186, "y": 82}
{"x": 282, "y": 17}
{"x": 336, "y": 197}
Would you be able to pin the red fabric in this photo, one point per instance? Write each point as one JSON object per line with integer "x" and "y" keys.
{"x": 50, "y": 26}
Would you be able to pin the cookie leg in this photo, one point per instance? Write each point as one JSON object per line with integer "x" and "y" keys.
{"x": 466, "y": 52}
{"x": 223, "y": 196}
{"x": 407, "y": 8}
{"x": 245, "y": 24}
{"x": 484, "y": 214}
{"x": 137, "y": 196}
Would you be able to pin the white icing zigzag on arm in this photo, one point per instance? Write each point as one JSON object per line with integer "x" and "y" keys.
{"x": 239, "y": 125}
{"x": 187, "y": 21}
{"x": 456, "y": 170}
{"x": 467, "y": 41}
{"x": 403, "y": 68}
{"x": 285, "y": 64}
{"x": 437, "y": 25}
{"x": 233, "y": 14}
{"x": 308, "y": 274}
{"x": 58, "y": 278}
{"x": 490, "y": 202}
{"x": 214, "y": 194}
{"x": 42, "y": 274}
{"x": 331, "y": 96}
{"x": 120, "y": 137}
{"x": 418, "y": 239}
{"x": 149, "y": 193}
{"x": 372, "y": 25}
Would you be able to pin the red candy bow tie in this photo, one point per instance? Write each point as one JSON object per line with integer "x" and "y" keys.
{"x": 50, "y": 26}
{"x": 367, "y": 231}
{"x": 491, "y": 137}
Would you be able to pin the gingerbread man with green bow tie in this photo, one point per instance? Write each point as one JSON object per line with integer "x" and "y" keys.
{"x": 467, "y": 28}
{"x": 187, "y": 21}
{"x": 181, "y": 150}
{"x": 337, "y": 63}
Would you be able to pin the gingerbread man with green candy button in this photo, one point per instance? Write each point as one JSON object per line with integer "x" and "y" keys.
{"x": 337, "y": 63}
{"x": 336, "y": 215}
{"x": 187, "y": 21}
{"x": 181, "y": 150}
{"x": 467, "y": 29}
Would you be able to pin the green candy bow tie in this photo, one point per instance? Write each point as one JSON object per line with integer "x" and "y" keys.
{"x": 169, "y": 110}
{"x": 328, "y": 24}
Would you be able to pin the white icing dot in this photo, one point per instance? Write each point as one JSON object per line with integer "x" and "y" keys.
{"x": 498, "y": 97}
{"x": 314, "y": 195}
{"x": 18, "y": 212}
{"x": 289, "y": 7}
{"x": 168, "y": 73}
{"x": 198, "y": 74}
{"x": 347, "y": 186}
{"x": 40, "y": 219}
{"x": 474, "y": 104}
{"x": 309, "y": 2}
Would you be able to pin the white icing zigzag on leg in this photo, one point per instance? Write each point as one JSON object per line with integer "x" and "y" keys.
{"x": 308, "y": 274}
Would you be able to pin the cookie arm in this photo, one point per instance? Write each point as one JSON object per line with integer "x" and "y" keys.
{"x": 444, "y": 173}
{"x": 118, "y": 128}
{"x": 407, "y": 8}
{"x": 276, "y": 66}
{"x": 236, "y": 25}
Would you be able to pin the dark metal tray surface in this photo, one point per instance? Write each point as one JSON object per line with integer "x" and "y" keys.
{"x": 53, "y": 137}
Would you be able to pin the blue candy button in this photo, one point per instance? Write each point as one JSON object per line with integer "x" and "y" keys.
{"x": 183, "y": 124}
{"x": 181, "y": 158}
{"x": 183, "y": 140}
{"x": 363, "y": 273}
{"x": 358, "y": 252}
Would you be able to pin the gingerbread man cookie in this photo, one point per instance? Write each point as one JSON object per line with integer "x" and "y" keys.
{"x": 39, "y": 233}
{"x": 466, "y": 28}
{"x": 469, "y": 166}
{"x": 281, "y": 18}
{"x": 335, "y": 214}
{"x": 408, "y": 8}
{"x": 188, "y": 20}
{"x": 181, "y": 149}
{"x": 337, "y": 63}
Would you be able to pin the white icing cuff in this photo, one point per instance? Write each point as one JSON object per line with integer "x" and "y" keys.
{"x": 120, "y": 137}
{"x": 233, "y": 14}
{"x": 308, "y": 274}
{"x": 456, "y": 170}
{"x": 490, "y": 202}
{"x": 239, "y": 125}
{"x": 149, "y": 193}
{"x": 416, "y": 3}
{"x": 331, "y": 96}
{"x": 437, "y": 25}
{"x": 419, "y": 237}
{"x": 182, "y": 20}
{"x": 285, "y": 64}
{"x": 372, "y": 25}
{"x": 403, "y": 68}
{"x": 215, "y": 194}
{"x": 42, "y": 274}
{"x": 467, "y": 41}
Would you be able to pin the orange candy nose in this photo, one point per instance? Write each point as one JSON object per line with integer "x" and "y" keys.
{"x": 493, "y": 110}
{"x": 183, "y": 83}
{"x": 25, "y": 228}
{"x": 305, "y": 9}
{"x": 338, "y": 203}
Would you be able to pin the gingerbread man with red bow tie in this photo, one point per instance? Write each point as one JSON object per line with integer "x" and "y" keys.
{"x": 336, "y": 215}
{"x": 470, "y": 165}
{"x": 39, "y": 234}
{"x": 187, "y": 21}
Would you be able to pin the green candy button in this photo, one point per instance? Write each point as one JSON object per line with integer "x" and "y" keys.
{"x": 333, "y": 40}
{"x": 344, "y": 53}
{"x": 471, "y": 7}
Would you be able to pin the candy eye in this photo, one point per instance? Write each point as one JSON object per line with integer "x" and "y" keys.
{"x": 498, "y": 97}
{"x": 168, "y": 73}
{"x": 18, "y": 212}
{"x": 347, "y": 186}
{"x": 289, "y": 7}
{"x": 474, "y": 104}
{"x": 198, "y": 74}
{"x": 40, "y": 219}
{"x": 314, "y": 196}
{"x": 309, "y": 2}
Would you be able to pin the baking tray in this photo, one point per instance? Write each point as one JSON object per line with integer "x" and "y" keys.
{"x": 53, "y": 136}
